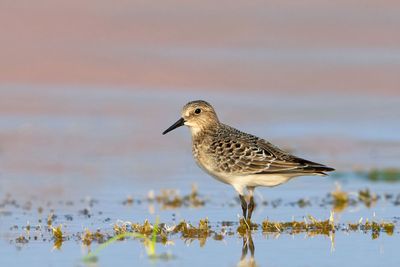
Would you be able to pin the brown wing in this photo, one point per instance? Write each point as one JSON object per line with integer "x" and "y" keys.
{"x": 247, "y": 154}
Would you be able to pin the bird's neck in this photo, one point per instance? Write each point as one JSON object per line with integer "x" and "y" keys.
{"x": 199, "y": 134}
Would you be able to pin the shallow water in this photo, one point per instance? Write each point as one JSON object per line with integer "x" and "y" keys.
{"x": 80, "y": 153}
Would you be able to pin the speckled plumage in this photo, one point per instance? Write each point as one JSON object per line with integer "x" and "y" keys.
{"x": 237, "y": 158}
{"x": 240, "y": 153}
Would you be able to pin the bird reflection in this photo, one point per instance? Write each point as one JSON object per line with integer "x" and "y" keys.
{"x": 247, "y": 245}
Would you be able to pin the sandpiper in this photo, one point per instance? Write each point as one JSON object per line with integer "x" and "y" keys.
{"x": 242, "y": 160}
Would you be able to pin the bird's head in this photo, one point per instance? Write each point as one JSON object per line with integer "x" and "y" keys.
{"x": 197, "y": 115}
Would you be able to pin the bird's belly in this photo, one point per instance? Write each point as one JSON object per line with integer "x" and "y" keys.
{"x": 268, "y": 180}
{"x": 252, "y": 180}
{"x": 207, "y": 164}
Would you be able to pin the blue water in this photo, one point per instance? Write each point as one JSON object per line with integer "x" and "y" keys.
{"x": 106, "y": 145}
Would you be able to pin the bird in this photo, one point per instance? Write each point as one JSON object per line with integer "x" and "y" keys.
{"x": 239, "y": 159}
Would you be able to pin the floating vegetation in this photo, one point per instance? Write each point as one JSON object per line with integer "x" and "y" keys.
{"x": 151, "y": 234}
{"x": 149, "y": 242}
{"x": 87, "y": 237}
{"x": 303, "y": 203}
{"x": 128, "y": 201}
{"x": 353, "y": 226}
{"x": 57, "y": 236}
{"x": 388, "y": 228}
{"x": 50, "y": 219}
{"x": 21, "y": 240}
{"x": 145, "y": 229}
{"x": 374, "y": 227}
{"x": 368, "y": 198}
{"x": 245, "y": 225}
{"x": 311, "y": 226}
{"x": 190, "y": 232}
{"x": 340, "y": 199}
{"x": 121, "y": 227}
{"x": 171, "y": 199}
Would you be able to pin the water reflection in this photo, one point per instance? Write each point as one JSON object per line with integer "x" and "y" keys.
{"x": 248, "y": 244}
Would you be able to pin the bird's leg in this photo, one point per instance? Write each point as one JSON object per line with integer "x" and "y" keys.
{"x": 245, "y": 248}
{"x": 244, "y": 205}
{"x": 251, "y": 245}
{"x": 251, "y": 207}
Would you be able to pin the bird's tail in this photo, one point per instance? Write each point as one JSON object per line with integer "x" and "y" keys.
{"x": 316, "y": 168}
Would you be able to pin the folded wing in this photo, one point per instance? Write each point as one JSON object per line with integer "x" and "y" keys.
{"x": 248, "y": 154}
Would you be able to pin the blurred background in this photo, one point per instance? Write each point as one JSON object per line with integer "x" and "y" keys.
{"x": 87, "y": 88}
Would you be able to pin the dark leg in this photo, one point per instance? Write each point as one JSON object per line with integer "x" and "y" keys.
{"x": 251, "y": 207}
{"x": 247, "y": 245}
{"x": 244, "y": 205}
{"x": 251, "y": 245}
{"x": 245, "y": 248}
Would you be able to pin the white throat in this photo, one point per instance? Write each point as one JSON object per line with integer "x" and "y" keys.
{"x": 194, "y": 130}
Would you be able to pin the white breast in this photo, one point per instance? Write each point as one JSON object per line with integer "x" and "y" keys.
{"x": 241, "y": 182}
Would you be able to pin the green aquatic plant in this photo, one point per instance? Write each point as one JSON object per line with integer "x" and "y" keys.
{"x": 122, "y": 233}
{"x": 92, "y": 256}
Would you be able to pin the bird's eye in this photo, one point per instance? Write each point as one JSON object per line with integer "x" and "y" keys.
{"x": 197, "y": 111}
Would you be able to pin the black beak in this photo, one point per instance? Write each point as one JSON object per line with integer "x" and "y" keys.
{"x": 177, "y": 124}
